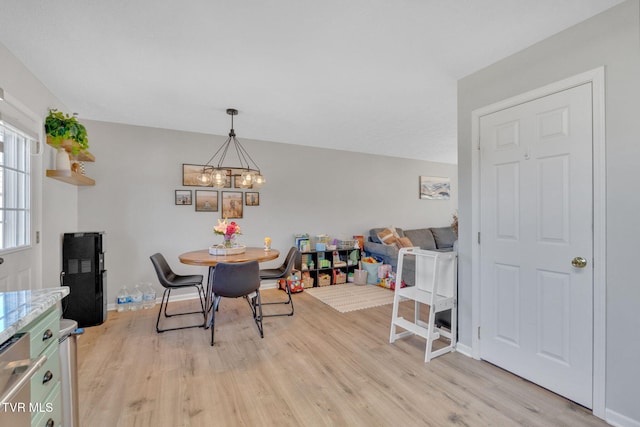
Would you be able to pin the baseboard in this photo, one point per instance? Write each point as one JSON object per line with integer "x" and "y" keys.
{"x": 266, "y": 284}
{"x": 269, "y": 284}
{"x": 464, "y": 349}
{"x": 619, "y": 420}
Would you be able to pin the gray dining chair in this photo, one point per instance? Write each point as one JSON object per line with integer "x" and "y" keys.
{"x": 292, "y": 259}
{"x": 170, "y": 280}
{"x": 235, "y": 280}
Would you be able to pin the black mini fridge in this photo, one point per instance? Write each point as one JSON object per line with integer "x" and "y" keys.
{"x": 84, "y": 273}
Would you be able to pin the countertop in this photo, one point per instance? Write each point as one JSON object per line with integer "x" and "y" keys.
{"x": 19, "y": 308}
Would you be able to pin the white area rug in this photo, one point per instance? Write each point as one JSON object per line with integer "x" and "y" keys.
{"x": 350, "y": 297}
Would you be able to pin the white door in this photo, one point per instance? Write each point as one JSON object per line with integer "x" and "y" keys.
{"x": 536, "y": 216}
{"x": 20, "y": 165}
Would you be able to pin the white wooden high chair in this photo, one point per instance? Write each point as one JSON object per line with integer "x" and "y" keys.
{"x": 435, "y": 286}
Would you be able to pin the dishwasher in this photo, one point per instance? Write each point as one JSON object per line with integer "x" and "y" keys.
{"x": 16, "y": 370}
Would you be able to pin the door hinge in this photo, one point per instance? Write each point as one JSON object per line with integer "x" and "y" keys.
{"x": 478, "y": 332}
{"x": 478, "y": 237}
{"x": 37, "y": 237}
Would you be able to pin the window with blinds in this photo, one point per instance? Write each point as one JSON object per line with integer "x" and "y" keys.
{"x": 15, "y": 188}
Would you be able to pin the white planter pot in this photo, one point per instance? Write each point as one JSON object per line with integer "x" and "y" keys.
{"x": 62, "y": 160}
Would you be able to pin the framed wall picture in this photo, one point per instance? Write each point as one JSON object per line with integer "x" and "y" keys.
{"x": 190, "y": 175}
{"x": 227, "y": 183}
{"x": 206, "y": 201}
{"x": 251, "y": 198}
{"x": 183, "y": 197}
{"x": 237, "y": 179}
{"x": 435, "y": 188}
{"x": 232, "y": 204}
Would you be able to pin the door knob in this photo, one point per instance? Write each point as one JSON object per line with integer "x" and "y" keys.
{"x": 579, "y": 262}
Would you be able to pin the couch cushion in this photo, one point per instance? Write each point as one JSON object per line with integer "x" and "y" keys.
{"x": 404, "y": 242}
{"x": 373, "y": 233}
{"x": 388, "y": 236}
{"x": 422, "y": 238}
{"x": 444, "y": 237}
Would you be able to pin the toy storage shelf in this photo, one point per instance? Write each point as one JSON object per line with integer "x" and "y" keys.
{"x": 338, "y": 264}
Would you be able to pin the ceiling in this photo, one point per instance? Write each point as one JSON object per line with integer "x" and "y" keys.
{"x": 376, "y": 76}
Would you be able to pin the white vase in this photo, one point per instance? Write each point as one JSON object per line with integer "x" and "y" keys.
{"x": 62, "y": 160}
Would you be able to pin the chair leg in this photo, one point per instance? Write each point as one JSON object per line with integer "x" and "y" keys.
{"x": 288, "y": 301}
{"x": 258, "y": 318}
{"x": 182, "y": 314}
{"x": 256, "y": 309}
{"x": 167, "y": 293}
{"x": 214, "y": 308}
{"x": 202, "y": 301}
{"x": 160, "y": 311}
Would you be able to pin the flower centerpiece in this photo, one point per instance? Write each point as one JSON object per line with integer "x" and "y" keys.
{"x": 228, "y": 230}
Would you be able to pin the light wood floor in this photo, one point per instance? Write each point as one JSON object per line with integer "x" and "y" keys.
{"x": 317, "y": 368}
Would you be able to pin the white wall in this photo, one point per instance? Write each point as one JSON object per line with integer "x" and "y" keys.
{"x": 55, "y": 209}
{"x": 611, "y": 39}
{"x": 138, "y": 169}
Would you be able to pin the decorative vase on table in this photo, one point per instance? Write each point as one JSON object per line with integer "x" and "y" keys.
{"x": 228, "y": 231}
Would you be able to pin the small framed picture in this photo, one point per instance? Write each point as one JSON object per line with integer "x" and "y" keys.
{"x": 435, "y": 188}
{"x": 227, "y": 182}
{"x": 190, "y": 175}
{"x": 206, "y": 201}
{"x": 232, "y": 204}
{"x": 183, "y": 197}
{"x": 237, "y": 179}
{"x": 251, "y": 198}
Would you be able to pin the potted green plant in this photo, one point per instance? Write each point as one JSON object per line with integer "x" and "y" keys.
{"x": 62, "y": 127}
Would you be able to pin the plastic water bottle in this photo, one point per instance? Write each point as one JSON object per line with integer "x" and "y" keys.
{"x": 123, "y": 299}
{"x": 136, "y": 298}
{"x": 149, "y": 296}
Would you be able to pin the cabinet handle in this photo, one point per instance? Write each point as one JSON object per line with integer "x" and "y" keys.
{"x": 50, "y": 423}
{"x": 47, "y": 335}
{"x": 48, "y": 376}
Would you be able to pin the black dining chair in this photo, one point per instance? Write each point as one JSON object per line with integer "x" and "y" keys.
{"x": 170, "y": 280}
{"x": 234, "y": 280}
{"x": 292, "y": 259}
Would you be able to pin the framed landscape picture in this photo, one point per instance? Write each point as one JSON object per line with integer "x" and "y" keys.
{"x": 227, "y": 182}
{"x": 435, "y": 188}
{"x": 237, "y": 179}
{"x": 206, "y": 201}
{"x": 183, "y": 197}
{"x": 232, "y": 204}
{"x": 190, "y": 175}
{"x": 251, "y": 198}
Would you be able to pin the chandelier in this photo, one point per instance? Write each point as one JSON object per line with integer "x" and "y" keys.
{"x": 215, "y": 173}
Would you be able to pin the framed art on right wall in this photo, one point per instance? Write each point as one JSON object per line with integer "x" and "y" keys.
{"x": 435, "y": 188}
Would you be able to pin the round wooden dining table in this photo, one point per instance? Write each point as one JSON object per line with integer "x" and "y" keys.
{"x": 203, "y": 258}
